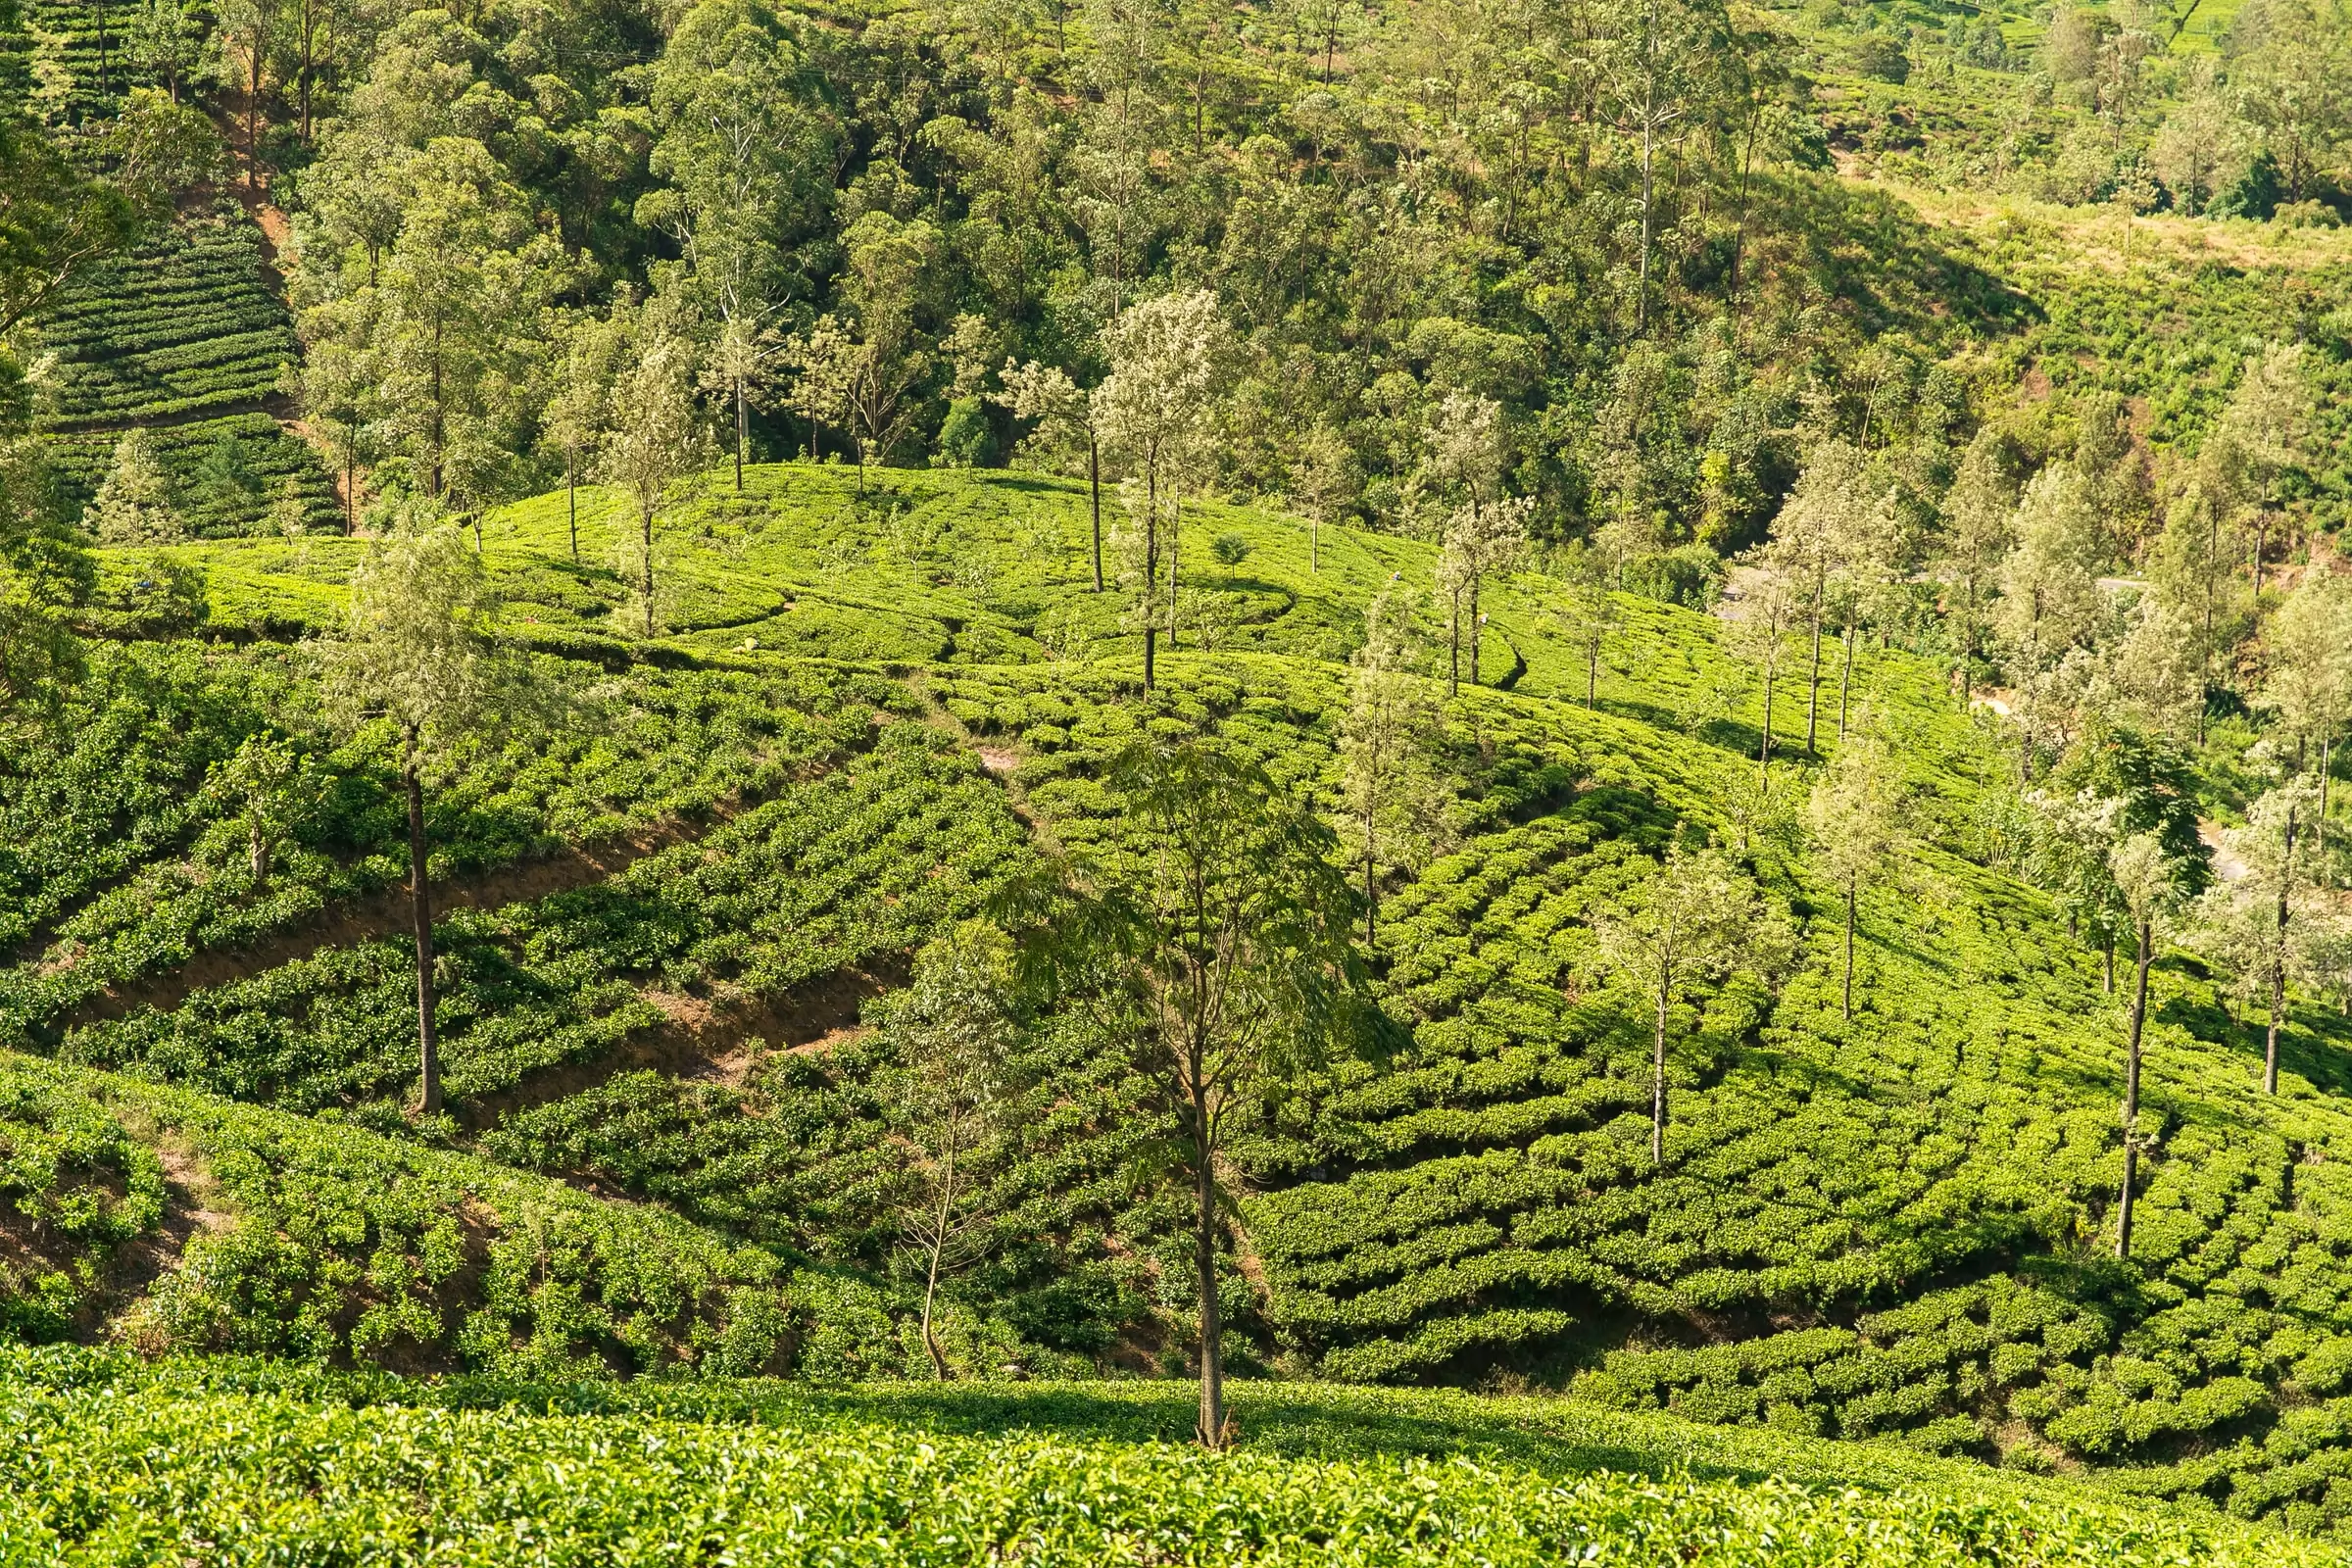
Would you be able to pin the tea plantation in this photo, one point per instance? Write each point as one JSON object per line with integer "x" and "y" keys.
{"x": 674, "y": 931}
{"x": 187, "y": 336}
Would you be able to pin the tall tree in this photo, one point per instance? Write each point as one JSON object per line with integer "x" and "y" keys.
{"x": 1978, "y": 514}
{"x": 2262, "y": 433}
{"x": 2049, "y": 595}
{"x": 1758, "y": 633}
{"x": 2250, "y": 926}
{"x": 1216, "y": 938}
{"x": 1664, "y": 63}
{"x": 953, "y": 1029}
{"x": 579, "y": 410}
{"x": 890, "y": 278}
{"x": 1325, "y": 484}
{"x": 1856, "y": 815}
{"x": 1691, "y": 918}
{"x": 447, "y": 322}
{"x": 423, "y": 651}
{"x": 744, "y": 147}
{"x": 248, "y": 35}
{"x": 656, "y": 439}
{"x": 1388, "y": 794}
{"x": 1158, "y": 407}
{"x": 1483, "y": 530}
{"x": 2194, "y": 573}
{"x": 1819, "y": 531}
{"x": 2309, "y": 687}
{"x": 1586, "y": 613}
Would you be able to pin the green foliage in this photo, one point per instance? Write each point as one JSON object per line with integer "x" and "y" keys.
{"x": 121, "y": 1464}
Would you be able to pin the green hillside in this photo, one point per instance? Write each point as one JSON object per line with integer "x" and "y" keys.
{"x": 1327, "y": 782}
{"x": 1890, "y": 1227}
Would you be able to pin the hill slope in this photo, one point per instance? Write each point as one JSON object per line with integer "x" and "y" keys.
{"x": 1889, "y": 1226}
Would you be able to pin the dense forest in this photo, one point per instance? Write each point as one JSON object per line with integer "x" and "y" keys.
{"x": 885, "y": 782}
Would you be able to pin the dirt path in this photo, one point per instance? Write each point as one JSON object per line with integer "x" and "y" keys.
{"x": 712, "y": 1042}
{"x": 385, "y": 914}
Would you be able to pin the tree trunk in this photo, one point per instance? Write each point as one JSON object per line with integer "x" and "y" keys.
{"x": 2139, "y": 1014}
{"x": 1205, "y": 1263}
{"x": 2327, "y": 764}
{"x": 420, "y": 908}
{"x": 1453, "y": 642}
{"x": 939, "y": 1246}
{"x": 1845, "y": 680}
{"x": 571, "y": 497}
{"x": 645, "y": 565}
{"x": 1591, "y": 675}
{"x": 1151, "y": 565}
{"x": 1649, "y": 133}
{"x": 1314, "y": 544}
{"x": 2270, "y": 1043}
{"x": 1094, "y": 490}
{"x": 740, "y": 418}
{"x": 1474, "y": 630}
{"x": 1968, "y": 646}
{"x": 1657, "y": 1083}
{"x": 2107, "y": 947}
{"x": 1175, "y": 549}
{"x": 1852, "y": 891}
{"x": 1813, "y": 684}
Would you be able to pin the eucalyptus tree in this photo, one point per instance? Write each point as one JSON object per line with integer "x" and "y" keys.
{"x": 1585, "y": 613}
{"x": 953, "y": 1029}
{"x": 2262, "y": 434}
{"x": 1389, "y": 798}
{"x": 2252, "y": 926}
{"x": 1856, "y": 815}
{"x": 2049, "y": 594}
{"x": 580, "y": 408}
{"x": 656, "y": 438}
{"x": 891, "y": 277}
{"x": 1823, "y": 526}
{"x": 1665, "y": 65}
{"x": 1692, "y": 917}
{"x": 745, "y": 147}
{"x": 1977, "y": 514}
{"x": 423, "y": 651}
{"x": 2309, "y": 687}
{"x": 2147, "y": 878}
{"x": 1158, "y": 407}
{"x": 1485, "y": 530}
{"x": 1210, "y": 934}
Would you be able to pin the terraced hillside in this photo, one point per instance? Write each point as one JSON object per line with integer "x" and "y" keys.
{"x": 673, "y": 939}
{"x": 186, "y": 336}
